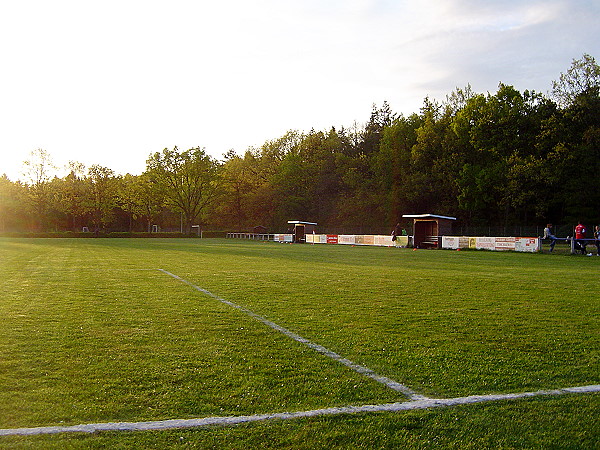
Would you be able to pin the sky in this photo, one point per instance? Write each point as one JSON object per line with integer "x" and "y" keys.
{"x": 113, "y": 82}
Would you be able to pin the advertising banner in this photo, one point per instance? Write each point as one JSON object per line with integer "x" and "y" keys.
{"x": 485, "y": 243}
{"x": 383, "y": 240}
{"x": 518, "y": 244}
{"x": 450, "y": 242}
{"x": 455, "y": 242}
{"x": 316, "y": 238}
{"x": 283, "y": 237}
{"x": 491, "y": 243}
{"x": 527, "y": 245}
{"x": 346, "y": 239}
{"x": 505, "y": 243}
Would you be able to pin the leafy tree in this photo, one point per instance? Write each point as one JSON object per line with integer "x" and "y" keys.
{"x": 495, "y": 131}
{"x": 149, "y": 199}
{"x": 434, "y": 164}
{"x": 189, "y": 180}
{"x": 70, "y": 193}
{"x": 266, "y": 201}
{"x": 128, "y": 195}
{"x": 458, "y": 99}
{"x": 506, "y": 158}
{"x": 582, "y": 77}
{"x": 38, "y": 170}
{"x": 322, "y": 152}
{"x": 380, "y": 118}
{"x": 394, "y": 169}
{"x": 102, "y": 195}
{"x": 292, "y": 189}
{"x": 13, "y": 197}
{"x": 581, "y": 188}
{"x": 240, "y": 182}
{"x": 297, "y": 181}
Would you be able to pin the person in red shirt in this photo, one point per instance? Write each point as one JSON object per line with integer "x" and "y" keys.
{"x": 579, "y": 236}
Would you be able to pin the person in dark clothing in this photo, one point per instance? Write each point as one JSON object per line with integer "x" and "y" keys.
{"x": 396, "y": 231}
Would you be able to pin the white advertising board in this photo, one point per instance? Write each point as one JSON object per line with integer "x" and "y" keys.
{"x": 485, "y": 243}
{"x": 527, "y": 244}
{"x": 346, "y": 239}
{"x": 283, "y": 237}
{"x": 517, "y": 244}
{"x": 450, "y": 242}
{"x": 384, "y": 240}
{"x": 505, "y": 243}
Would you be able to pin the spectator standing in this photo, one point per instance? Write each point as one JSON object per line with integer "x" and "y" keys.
{"x": 597, "y": 237}
{"x": 579, "y": 236}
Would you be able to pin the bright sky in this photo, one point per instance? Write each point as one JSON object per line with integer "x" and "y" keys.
{"x": 111, "y": 82}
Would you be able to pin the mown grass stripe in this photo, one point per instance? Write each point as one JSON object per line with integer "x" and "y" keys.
{"x": 425, "y": 403}
{"x": 399, "y": 387}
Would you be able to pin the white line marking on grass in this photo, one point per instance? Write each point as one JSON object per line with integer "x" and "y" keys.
{"x": 426, "y": 403}
{"x": 319, "y": 348}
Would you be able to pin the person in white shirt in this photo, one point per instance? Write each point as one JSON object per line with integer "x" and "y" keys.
{"x": 548, "y": 235}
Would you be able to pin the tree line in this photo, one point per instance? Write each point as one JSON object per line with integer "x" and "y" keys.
{"x": 500, "y": 158}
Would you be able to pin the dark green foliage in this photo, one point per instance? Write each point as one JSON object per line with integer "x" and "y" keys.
{"x": 504, "y": 159}
{"x": 509, "y": 158}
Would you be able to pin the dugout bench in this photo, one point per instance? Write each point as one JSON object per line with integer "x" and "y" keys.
{"x": 428, "y": 229}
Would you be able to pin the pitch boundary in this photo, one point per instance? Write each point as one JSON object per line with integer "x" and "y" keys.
{"x": 426, "y": 403}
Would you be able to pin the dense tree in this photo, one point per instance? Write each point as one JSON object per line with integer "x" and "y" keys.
{"x": 189, "y": 181}
{"x": 13, "y": 197}
{"x": 394, "y": 169}
{"x": 129, "y": 198}
{"x": 70, "y": 196}
{"x": 101, "y": 196}
{"x": 371, "y": 136}
{"x": 240, "y": 183}
{"x": 497, "y": 132}
{"x": 148, "y": 199}
{"x": 323, "y": 153}
{"x": 502, "y": 158}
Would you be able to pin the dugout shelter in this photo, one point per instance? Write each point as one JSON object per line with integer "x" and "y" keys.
{"x": 428, "y": 229}
{"x": 301, "y": 229}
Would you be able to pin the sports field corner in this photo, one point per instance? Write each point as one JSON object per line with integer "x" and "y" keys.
{"x": 126, "y": 335}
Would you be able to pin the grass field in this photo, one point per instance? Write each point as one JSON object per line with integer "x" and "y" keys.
{"x": 119, "y": 330}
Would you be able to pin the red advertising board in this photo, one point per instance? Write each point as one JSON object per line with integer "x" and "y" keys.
{"x": 332, "y": 239}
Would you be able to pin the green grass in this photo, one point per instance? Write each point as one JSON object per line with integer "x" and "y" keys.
{"x": 93, "y": 332}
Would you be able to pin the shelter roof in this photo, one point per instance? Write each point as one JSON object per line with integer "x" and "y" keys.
{"x": 427, "y": 216}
